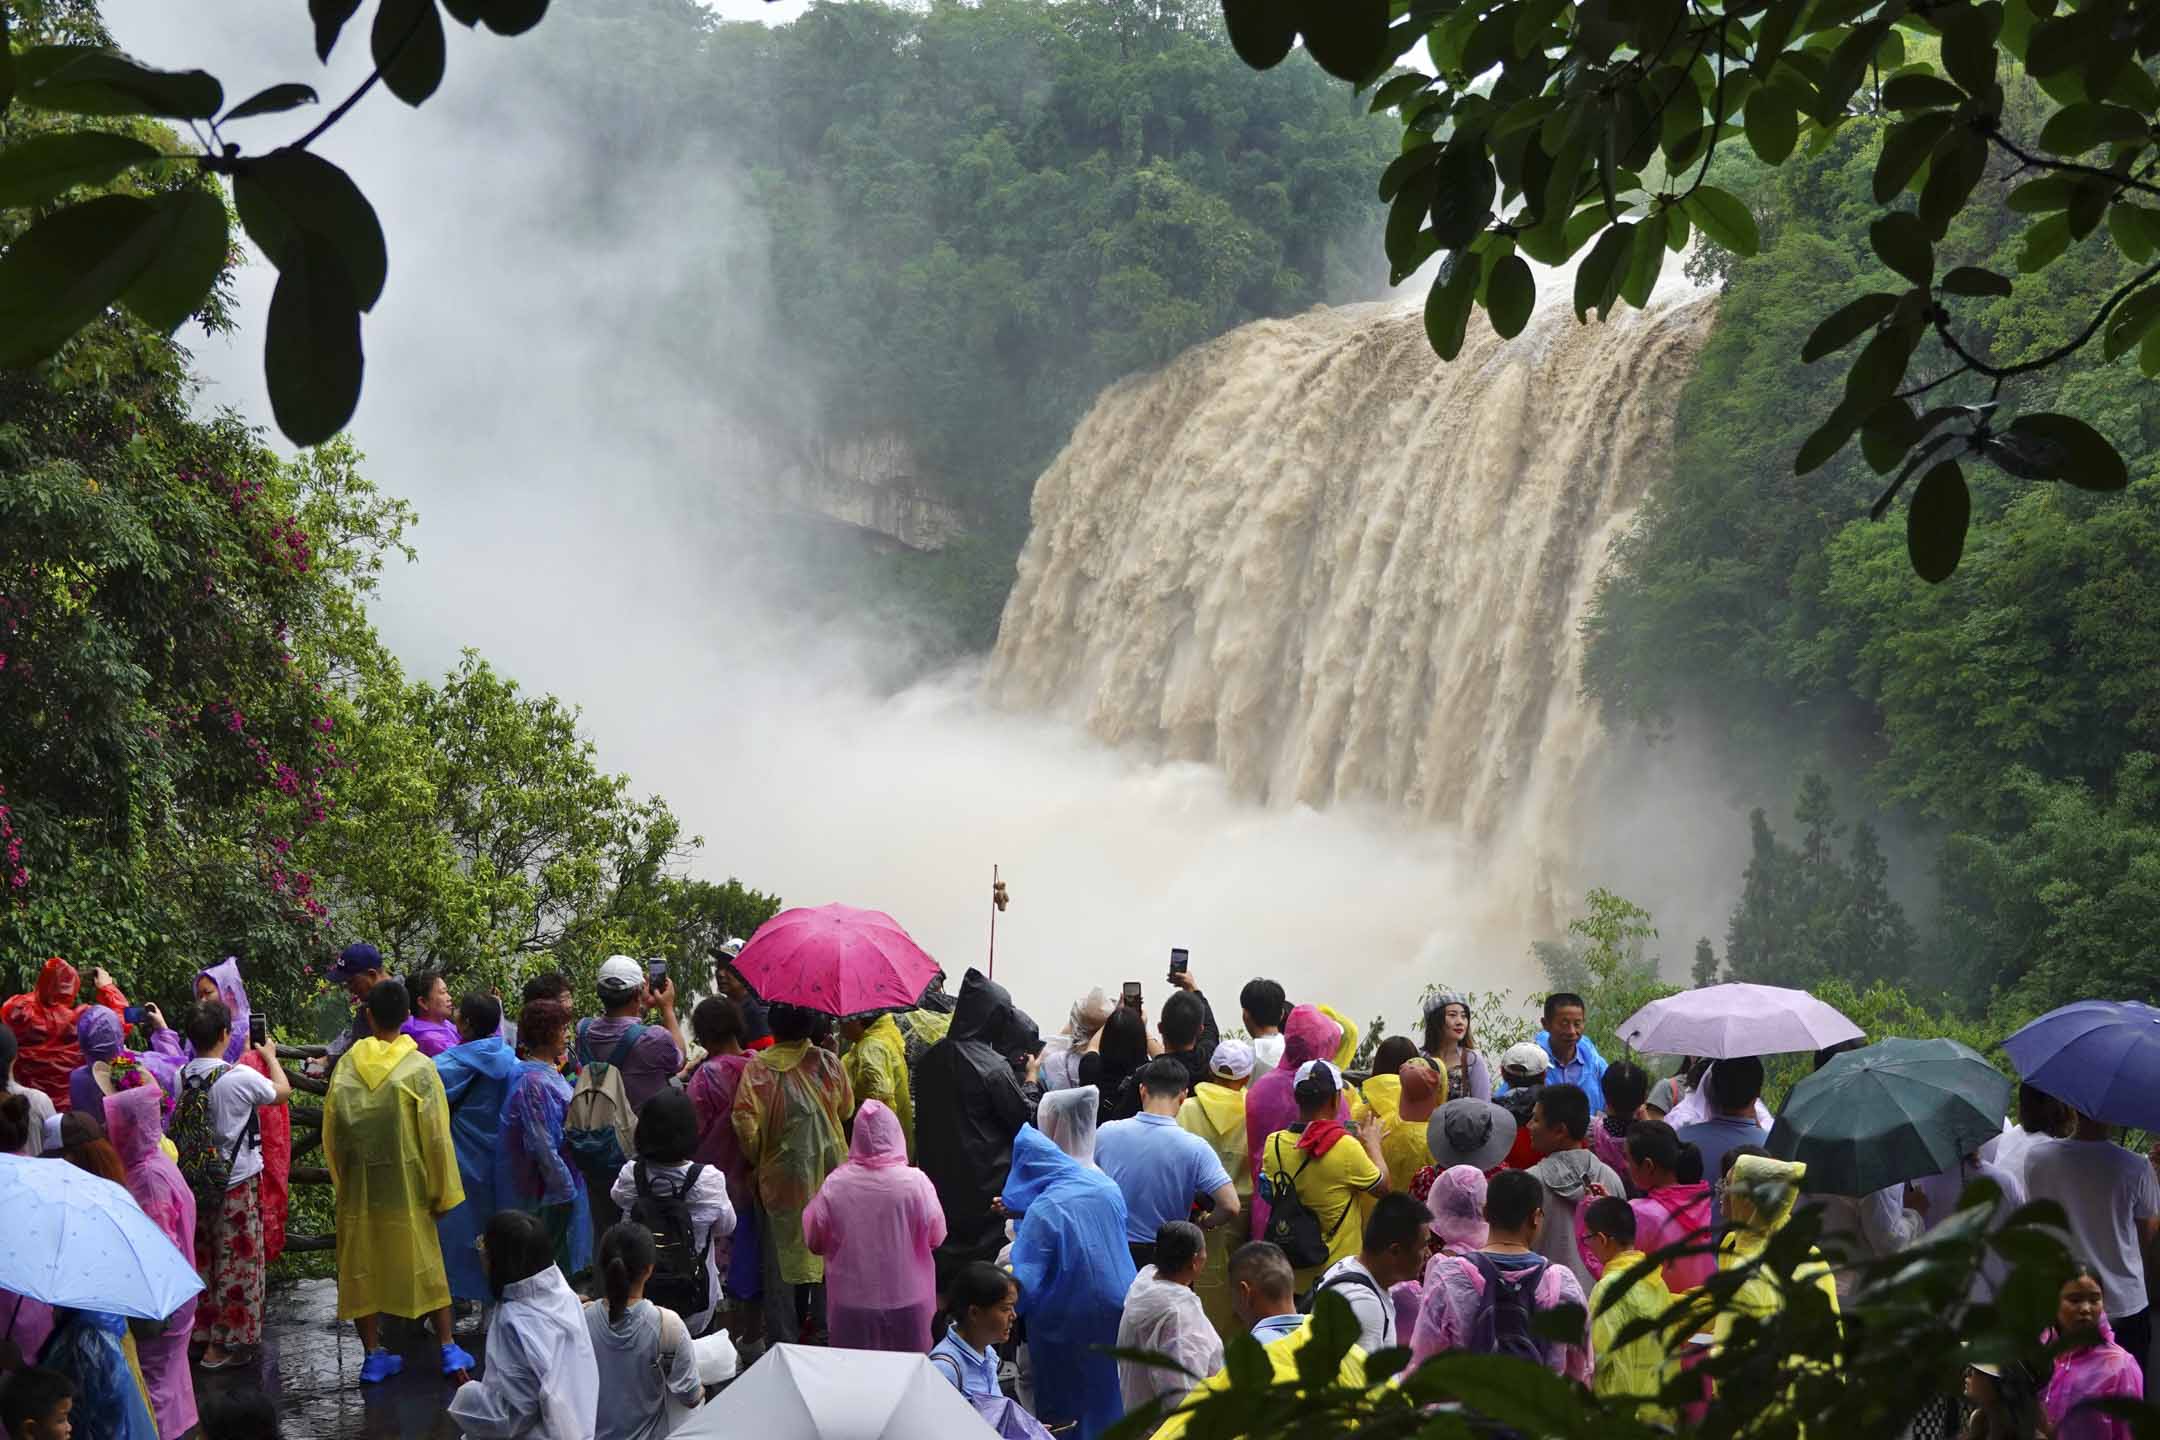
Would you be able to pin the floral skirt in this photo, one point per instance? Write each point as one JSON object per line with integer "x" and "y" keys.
{"x": 229, "y": 1257}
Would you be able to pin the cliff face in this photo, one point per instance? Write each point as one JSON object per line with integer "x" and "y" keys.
{"x": 871, "y": 484}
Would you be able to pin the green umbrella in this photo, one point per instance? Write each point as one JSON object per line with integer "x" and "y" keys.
{"x": 1890, "y": 1113}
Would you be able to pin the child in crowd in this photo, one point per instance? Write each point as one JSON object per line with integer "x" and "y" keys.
{"x": 36, "y": 1404}
{"x": 1630, "y": 1289}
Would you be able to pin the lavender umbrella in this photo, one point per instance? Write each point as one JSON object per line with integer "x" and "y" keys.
{"x": 836, "y": 959}
{"x": 2100, "y": 1057}
{"x": 1724, "y": 1022}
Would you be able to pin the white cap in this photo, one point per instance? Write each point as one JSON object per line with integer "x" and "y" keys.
{"x": 1526, "y": 1058}
{"x": 620, "y": 972}
{"x": 1334, "y": 1075}
{"x": 1232, "y": 1058}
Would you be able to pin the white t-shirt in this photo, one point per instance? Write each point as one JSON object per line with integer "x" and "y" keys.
{"x": 1369, "y": 1301}
{"x": 1266, "y": 1053}
{"x": 2105, "y": 1190}
{"x": 234, "y": 1096}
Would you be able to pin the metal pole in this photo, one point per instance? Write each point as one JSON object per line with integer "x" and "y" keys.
{"x": 993, "y": 921}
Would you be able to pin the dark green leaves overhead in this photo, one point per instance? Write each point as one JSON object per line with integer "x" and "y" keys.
{"x": 272, "y": 101}
{"x": 1463, "y": 193}
{"x": 7, "y": 63}
{"x": 1773, "y": 126}
{"x": 64, "y": 271}
{"x": 409, "y": 49}
{"x": 93, "y": 80}
{"x": 311, "y": 352}
{"x": 2063, "y": 447}
{"x": 1348, "y": 38}
{"x": 1848, "y": 325}
{"x": 1902, "y": 243}
{"x": 1936, "y": 521}
{"x": 330, "y": 17}
{"x": 1448, "y": 303}
{"x": 1261, "y": 31}
{"x": 1972, "y": 280}
{"x": 1724, "y": 218}
{"x": 289, "y": 192}
{"x": 189, "y": 240}
{"x": 44, "y": 167}
{"x": 1510, "y": 295}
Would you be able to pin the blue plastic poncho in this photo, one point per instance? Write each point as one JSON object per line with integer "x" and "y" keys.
{"x": 476, "y": 1081}
{"x": 534, "y": 1173}
{"x": 94, "y": 1350}
{"x": 1070, "y": 1257}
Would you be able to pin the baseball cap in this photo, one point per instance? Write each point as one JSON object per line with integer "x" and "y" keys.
{"x": 620, "y": 972}
{"x": 357, "y": 958}
{"x": 1526, "y": 1059}
{"x": 1324, "y": 1067}
{"x": 1233, "y": 1058}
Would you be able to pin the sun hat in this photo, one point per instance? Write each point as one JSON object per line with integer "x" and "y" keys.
{"x": 1470, "y": 1132}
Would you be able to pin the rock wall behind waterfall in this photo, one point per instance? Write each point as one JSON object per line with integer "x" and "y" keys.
{"x": 1314, "y": 555}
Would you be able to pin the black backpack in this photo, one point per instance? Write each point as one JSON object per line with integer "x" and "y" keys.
{"x": 1336, "y": 1281}
{"x": 680, "y": 1281}
{"x": 1292, "y": 1227}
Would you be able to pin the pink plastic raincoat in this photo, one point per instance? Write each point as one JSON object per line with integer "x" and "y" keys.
{"x": 134, "y": 1122}
{"x": 2092, "y": 1372}
{"x": 1454, "y": 1292}
{"x": 876, "y": 1220}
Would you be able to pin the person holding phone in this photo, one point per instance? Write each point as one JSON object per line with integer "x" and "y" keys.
{"x": 229, "y": 1244}
{"x": 648, "y": 1055}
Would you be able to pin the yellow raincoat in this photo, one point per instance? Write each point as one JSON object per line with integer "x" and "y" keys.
{"x": 1639, "y": 1369}
{"x": 1759, "y": 1199}
{"x": 789, "y": 1108}
{"x": 386, "y": 1139}
{"x": 876, "y": 1068}
{"x": 1283, "y": 1355}
{"x": 1403, "y": 1147}
{"x": 1216, "y": 1114}
{"x": 1346, "y": 1052}
{"x": 1381, "y": 1095}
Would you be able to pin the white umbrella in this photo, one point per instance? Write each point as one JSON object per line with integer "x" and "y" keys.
{"x": 1724, "y": 1022}
{"x": 78, "y": 1242}
{"x": 808, "y": 1392}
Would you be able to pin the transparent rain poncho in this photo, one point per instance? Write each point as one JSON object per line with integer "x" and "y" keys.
{"x": 789, "y": 1112}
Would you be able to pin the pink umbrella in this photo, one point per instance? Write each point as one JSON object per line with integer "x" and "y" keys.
{"x": 836, "y": 959}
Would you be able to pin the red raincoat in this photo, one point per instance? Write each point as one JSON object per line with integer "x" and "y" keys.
{"x": 44, "y": 1026}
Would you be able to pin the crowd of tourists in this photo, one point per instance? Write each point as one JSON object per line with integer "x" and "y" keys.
{"x": 634, "y": 1208}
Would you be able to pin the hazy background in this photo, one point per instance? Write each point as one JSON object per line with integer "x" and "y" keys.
{"x": 565, "y": 413}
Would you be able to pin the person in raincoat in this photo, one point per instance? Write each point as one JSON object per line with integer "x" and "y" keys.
{"x": 134, "y": 1124}
{"x": 719, "y": 1027}
{"x": 386, "y": 1139}
{"x": 96, "y": 1352}
{"x": 533, "y": 1171}
{"x": 542, "y": 1381}
{"x": 1215, "y": 1111}
{"x": 1675, "y": 1206}
{"x": 220, "y": 982}
{"x": 1760, "y": 1196}
{"x": 108, "y": 1065}
{"x": 1070, "y": 1258}
{"x": 967, "y": 1084}
{"x": 2089, "y": 1367}
{"x": 1071, "y": 1119}
{"x": 44, "y": 1022}
{"x": 1061, "y": 1053}
{"x": 476, "y": 1075}
{"x": 876, "y": 1064}
{"x": 789, "y": 1112}
{"x": 1271, "y": 1101}
{"x": 1163, "y": 1317}
{"x": 37, "y": 1104}
{"x": 1634, "y": 1371}
{"x": 876, "y": 1222}
{"x": 432, "y": 1025}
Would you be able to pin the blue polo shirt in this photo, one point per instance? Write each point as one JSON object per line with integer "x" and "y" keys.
{"x": 1160, "y": 1167}
{"x": 1587, "y": 1069}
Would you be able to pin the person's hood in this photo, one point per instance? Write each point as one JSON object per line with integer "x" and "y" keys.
{"x": 1069, "y": 1117}
{"x": 1382, "y": 1095}
{"x": 546, "y": 1288}
{"x": 784, "y": 1058}
{"x": 1760, "y": 1197}
{"x": 58, "y": 983}
{"x": 1224, "y": 1107}
{"x": 1456, "y": 1204}
{"x": 1346, "y": 1047}
{"x": 487, "y": 1055}
{"x": 983, "y": 1012}
{"x": 134, "y": 1122}
{"x": 1567, "y": 1173}
{"x": 1021, "y": 1035}
{"x": 1037, "y": 1164}
{"x": 878, "y": 1143}
{"x": 230, "y": 988}
{"x": 98, "y": 1033}
{"x": 1088, "y": 1014}
{"x": 373, "y": 1060}
{"x": 1308, "y": 1034}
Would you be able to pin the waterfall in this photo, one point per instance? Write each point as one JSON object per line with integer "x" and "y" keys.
{"x": 1346, "y": 573}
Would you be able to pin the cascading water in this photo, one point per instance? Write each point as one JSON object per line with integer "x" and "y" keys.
{"x": 1346, "y": 573}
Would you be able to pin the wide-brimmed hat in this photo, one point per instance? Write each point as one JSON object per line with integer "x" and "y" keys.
{"x": 1470, "y": 1132}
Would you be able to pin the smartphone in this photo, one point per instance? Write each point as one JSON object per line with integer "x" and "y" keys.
{"x": 1180, "y": 961}
{"x": 133, "y": 1014}
{"x": 656, "y": 974}
{"x": 1132, "y": 994}
{"x": 258, "y": 1028}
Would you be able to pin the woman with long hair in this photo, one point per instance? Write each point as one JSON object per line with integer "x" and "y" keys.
{"x": 1675, "y": 1205}
{"x": 163, "y": 1193}
{"x": 83, "y": 1145}
{"x": 540, "y": 1379}
{"x": 2089, "y": 1365}
{"x": 643, "y": 1350}
{"x": 1448, "y": 1044}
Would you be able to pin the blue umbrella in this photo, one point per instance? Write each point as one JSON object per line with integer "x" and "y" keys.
{"x": 2100, "y": 1057}
{"x": 78, "y": 1242}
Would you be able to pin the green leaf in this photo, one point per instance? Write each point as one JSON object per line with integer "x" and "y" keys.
{"x": 1847, "y": 325}
{"x": 1346, "y": 38}
{"x": 1405, "y": 165}
{"x": 1261, "y": 31}
{"x": 1959, "y": 163}
{"x": 2074, "y": 129}
{"x": 311, "y": 350}
{"x": 2136, "y": 230}
{"x": 1397, "y": 90}
{"x": 1676, "y": 230}
{"x": 330, "y": 17}
{"x": 1968, "y": 47}
{"x": 2076, "y": 454}
{"x": 192, "y": 243}
{"x": 2044, "y": 240}
{"x": 291, "y": 192}
{"x": 1462, "y": 203}
{"x": 408, "y": 46}
{"x": 7, "y": 64}
{"x": 272, "y": 101}
{"x": 2131, "y": 322}
{"x": 1906, "y": 147}
{"x": 1920, "y": 91}
{"x": 1646, "y": 256}
{"x": 1248, "y": 1364}
{"x": 1597, "y": 279}
{"x": 1773, "y": 126}
{"x": 1902, "y": 243}
{"x": 514, "y": 17}
{"x": 63, "y": 272}
{"x": 1723, "y": 218}
{"x": 92, "y": 80}
{"x": 1972, "y": 280}
{"x": 1448, "y": 303}
{"x": 2036, "y": 197}
{"x": 1936, "y": 521}
{"x": 2149, "y": 355}
{"x": 1510, "y": 296}
{"x": 1880, "y": 367}
{"x": 1888, "y": 434}
{"x": 46, "y": 166}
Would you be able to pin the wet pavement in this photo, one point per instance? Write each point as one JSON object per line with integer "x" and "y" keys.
{"x": 309, "y": 1364}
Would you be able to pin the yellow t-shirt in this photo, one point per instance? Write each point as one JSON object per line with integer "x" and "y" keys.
{"x": 1329, "y": 1185}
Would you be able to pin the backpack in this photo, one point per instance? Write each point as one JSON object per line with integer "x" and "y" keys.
{"x": 1292, "y": 1227}
{"x": 205, "y": 1163}
{"x": 680, "y": 1282}
{"x": 1502, "y": 1323}
{"x": 600, "y": 1128}
{"x": 1336, "y": 1281}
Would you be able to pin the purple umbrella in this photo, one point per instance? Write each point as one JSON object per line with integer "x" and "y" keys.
{"x": 2100, "y": 1057}
{"x": 1724, "y": 1022}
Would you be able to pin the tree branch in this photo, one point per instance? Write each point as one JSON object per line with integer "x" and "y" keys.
{"x": 1717, "y": 115}
{"x": 2070, "y": 167}
{"x": 346, "y": 104}
{"x": 2000, "y": 373}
